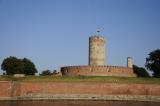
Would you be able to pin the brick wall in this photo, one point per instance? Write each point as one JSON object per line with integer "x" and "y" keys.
{"x": 98, "y": 71}
{"x": 13, "y": 89}
{"x": 4, "y": 89}
{"x": 10, "y": 89}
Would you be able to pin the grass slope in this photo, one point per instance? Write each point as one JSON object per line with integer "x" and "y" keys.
{"x": 106, "y": 79}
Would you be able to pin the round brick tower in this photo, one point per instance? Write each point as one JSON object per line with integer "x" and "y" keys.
{"x": 97, "y": 51}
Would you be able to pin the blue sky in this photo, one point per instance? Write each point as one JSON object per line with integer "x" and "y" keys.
{"x": 54, "y": 33}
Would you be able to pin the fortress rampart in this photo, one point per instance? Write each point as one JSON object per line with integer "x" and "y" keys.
{"x": 32, "y": 90}
{"x": 98, "y": 71}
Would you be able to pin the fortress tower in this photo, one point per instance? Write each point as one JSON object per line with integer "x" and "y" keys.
{"x": 97, "y": 62}
{"x": 129, "y": 62}
{"x": 97, "y": 55}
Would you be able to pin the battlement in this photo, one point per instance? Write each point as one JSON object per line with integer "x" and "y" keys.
{"x": 98, "y": 71}
{"x": 95, "y": 37}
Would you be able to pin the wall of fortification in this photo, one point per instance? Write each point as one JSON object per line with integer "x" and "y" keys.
{"x": 52, "y": 88}
{"x": 4, "y": 89}
{"x": 97, "y": 71}
{"x": 9, "y": 89}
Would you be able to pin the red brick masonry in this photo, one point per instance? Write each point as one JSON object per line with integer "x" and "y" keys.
{"x": 98, "y": 71}
{"x": 14, "y": 89}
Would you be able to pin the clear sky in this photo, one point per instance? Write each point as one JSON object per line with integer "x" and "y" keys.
{"x": 54, "y": 33}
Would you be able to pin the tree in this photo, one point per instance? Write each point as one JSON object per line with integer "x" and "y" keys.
{"x": 29, "y": 67}
{"x": 13, "y": 65}
{"x": 140, "y": 71}
{"x": 45, "y": 72}
{"x": 153, "y": 62}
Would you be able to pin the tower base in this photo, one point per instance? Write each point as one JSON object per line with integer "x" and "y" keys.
{"x": 97, "y": 71}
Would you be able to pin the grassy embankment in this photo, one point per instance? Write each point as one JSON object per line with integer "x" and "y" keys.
{"x": 105, "y": 79}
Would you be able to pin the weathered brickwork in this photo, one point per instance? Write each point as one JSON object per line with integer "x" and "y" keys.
{"x": 97, "y": 71}
{"x": 9, "y": 89}
{"x": 4, "y": 89}
{"x": 52, "y": 88}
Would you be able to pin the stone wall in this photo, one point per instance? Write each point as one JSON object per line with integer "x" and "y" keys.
{"x": 97, "y": 71}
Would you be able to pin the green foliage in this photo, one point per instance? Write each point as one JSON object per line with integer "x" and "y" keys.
{"x": 45, "y": 72}
{"x": 13, "y": 65}
{"x": 140, "y": 71}
{"x": 153, "y": 62}
{"x": 29, "y": 67}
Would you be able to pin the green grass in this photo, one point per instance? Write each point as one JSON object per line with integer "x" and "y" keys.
{"x": 99, "y": 79}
